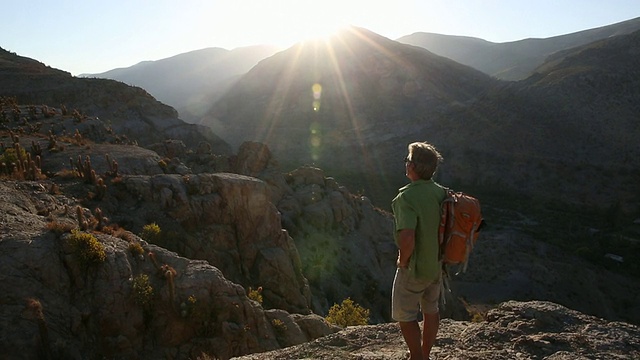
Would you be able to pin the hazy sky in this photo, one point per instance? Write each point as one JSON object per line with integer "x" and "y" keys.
{"x": 90, "y": 36}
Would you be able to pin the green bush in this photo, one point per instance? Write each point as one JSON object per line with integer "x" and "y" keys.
{"x": 142, "y": 291}
{"x": 87, "y": 248}
{"x": 279, "y": 326}
{"x": 135, "y": 248}
{"x": 10, "y": 156}
{"x": 151, "y": 232}
{"x": 255, "y": 295}
{"x": 348, "y": 314}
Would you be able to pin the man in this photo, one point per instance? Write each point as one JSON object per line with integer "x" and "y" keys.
{"x": 416, "y": 286}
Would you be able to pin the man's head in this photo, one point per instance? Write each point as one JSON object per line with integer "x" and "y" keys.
{"x": 423, "y": 160}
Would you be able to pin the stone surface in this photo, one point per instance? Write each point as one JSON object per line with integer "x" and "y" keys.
{"x": 513, "y": 330}
{"x": 91, "y": 310}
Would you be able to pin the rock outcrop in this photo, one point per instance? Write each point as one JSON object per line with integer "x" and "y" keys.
{"x": 345, "y": 243}
{"x": 139, "y": 301}
{"x": 513, "y": 330}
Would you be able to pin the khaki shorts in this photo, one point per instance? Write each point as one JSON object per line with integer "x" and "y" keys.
{"x": 410, "y": 295}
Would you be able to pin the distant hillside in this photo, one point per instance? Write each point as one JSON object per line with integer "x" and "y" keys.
{"x": 190, "y": 82}
{"x": 540, "y": 139}
{"x": 372, "y": 93}
{"x": 130, "y": 111}
{"x": 512, "y": 60}
{"x": 569, "y": 131}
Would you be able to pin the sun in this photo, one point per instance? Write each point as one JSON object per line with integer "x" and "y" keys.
{"x": 286, "y": 22}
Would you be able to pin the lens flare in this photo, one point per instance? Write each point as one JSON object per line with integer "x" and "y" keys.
{"x": 315, "y": 140}
{"x": 316, "y": 89}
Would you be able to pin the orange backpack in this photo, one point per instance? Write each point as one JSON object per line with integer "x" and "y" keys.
{"x": 460, "y": 223}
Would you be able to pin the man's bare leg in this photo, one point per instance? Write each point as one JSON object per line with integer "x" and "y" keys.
{"x": 411, "y": 333}
{"x": 429, "y": 332}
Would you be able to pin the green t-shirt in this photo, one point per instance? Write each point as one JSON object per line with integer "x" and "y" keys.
{"x": 417, "y": 206}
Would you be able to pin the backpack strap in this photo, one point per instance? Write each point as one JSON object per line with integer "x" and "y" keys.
{"x": 446, "y": 217}
{"x": 445, "y": 286}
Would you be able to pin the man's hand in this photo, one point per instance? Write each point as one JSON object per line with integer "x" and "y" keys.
{"x": 406, "y": 242}
{"x": 399, "y": 264}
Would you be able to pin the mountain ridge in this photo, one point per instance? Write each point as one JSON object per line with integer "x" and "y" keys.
{"x": 511, "y": 61}
{"x": 191, "y": 80}
{"x": 514, "y": 60}
{"x": 381, "y": 95}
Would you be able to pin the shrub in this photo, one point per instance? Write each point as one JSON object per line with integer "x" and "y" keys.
{"x": 151, "y": 232}
{"x": 135, "y": 248}
{"x": 10, "y": 156}
{"x": 255, "y": 295}
{"x": 348, "y": 314}
{"x": 88, "y": 249}
{"x": 142, "y": 291}
{"x": 279, "y": 326}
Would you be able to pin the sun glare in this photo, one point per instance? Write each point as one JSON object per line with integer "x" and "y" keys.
{"x": 286, "y": 22}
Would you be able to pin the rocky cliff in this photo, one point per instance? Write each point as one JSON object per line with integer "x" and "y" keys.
{"x": 81, "y": 284}
{"x": 83, "y": 276}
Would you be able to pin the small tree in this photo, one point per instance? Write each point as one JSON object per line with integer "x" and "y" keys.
{"x": 348, "y": 314}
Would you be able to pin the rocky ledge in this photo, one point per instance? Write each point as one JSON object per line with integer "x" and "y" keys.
{"x": 513, "y": 330}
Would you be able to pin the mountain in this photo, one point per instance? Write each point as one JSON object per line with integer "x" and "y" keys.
{"x": 570, "y": 127}
{"x": 190, "y": 82}
{"x": 130, "y": 111}
{"x": 548, "y": 137}
{"x": 346, "y": 105}
{"x": 511, "y": 60}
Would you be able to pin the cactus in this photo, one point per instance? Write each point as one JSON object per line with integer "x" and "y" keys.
{"x": 15, "y": 113}
{"x": 14, "y": 138}
{"x": 100, "y": 219}
{"x": 169, "y": 274}
{"x": 53, "y": 142}
{"x": 101, "y": 187}
{"x": 33, "y": 310}
{"x": 82, "y": 222}
{"x": 22, "y": 162}
{"x": 154, "y": 261}
{"x": 47, "y": 112}
{"x": 32, "y": 172}
{"x": 113, "y": 166}
{"x": 85, "y": 171}
{"x": 78, "y": 116}
{"x": 33, "y": 112}
{"x": 78, "y": 137}
{"x": 36, "y": 149}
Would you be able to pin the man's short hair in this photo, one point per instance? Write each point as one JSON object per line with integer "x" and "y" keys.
{"x": 425, "y": 159}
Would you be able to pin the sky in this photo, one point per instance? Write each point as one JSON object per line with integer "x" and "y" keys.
{"x": 90, "y": 36}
